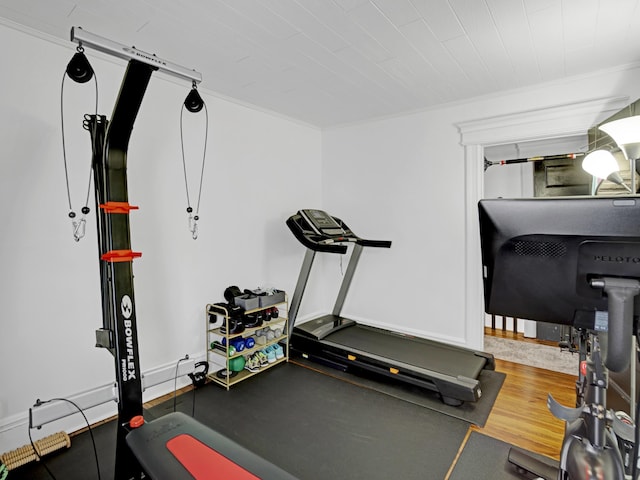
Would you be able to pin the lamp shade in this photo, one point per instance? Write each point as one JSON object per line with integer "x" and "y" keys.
{"x": 600, "y": 164}
{"x": 626, "y": 133}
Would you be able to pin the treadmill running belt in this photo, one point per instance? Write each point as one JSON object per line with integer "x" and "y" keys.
{"x": 418, "y": 352}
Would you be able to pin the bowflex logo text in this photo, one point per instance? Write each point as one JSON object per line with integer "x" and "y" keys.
{"x": 146, "y": 56}
{"x": 129, "y": 363}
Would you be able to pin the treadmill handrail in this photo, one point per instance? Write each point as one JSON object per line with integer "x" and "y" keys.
{"x": 330, "y": 244}
{"x": 375, "y": 243}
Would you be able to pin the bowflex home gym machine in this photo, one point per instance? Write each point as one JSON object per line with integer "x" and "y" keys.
{"x": 174, "y": 446}
{"x": 342, "y": 343}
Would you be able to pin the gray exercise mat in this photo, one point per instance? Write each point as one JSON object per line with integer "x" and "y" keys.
{"x": 475, "y": 413}
{"x": 314, "y": 426}
{"x": 484, "y": 457}
{"x": 317, "y": 427}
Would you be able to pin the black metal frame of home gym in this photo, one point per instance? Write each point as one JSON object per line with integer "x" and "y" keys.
{"x": 110, "y": 141}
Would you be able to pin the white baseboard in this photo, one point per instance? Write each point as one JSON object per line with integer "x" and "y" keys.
{"x": 99, "y": 402}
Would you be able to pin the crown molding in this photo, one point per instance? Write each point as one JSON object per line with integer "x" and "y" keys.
{"x": 547, "y": 122}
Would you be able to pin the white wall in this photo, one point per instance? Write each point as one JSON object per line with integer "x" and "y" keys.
{"x": 406, "y": 179}
{"x": 260, "y": 169}
{"x": 398, "y": 180}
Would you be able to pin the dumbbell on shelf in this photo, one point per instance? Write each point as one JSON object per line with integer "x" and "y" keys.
{"x": 220, "y": 346}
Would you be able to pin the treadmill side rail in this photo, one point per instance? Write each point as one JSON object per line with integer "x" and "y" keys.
{"x": 490, "y": 359}
{"x": 454, "y": 389}
{"x": 319, "y": 328}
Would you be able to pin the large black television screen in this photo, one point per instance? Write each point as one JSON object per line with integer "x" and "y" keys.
{"x": 541, "y": 255}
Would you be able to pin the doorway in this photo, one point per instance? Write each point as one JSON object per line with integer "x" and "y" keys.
{"x": 531, "y": 173}
{"x": 546, "y": 123}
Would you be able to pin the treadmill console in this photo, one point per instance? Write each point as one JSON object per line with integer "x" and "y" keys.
{"x": 321, "y": 222}
{"x": 321, "y": 232}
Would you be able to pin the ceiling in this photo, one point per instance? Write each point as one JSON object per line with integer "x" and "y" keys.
{"x": 330, "y": 62}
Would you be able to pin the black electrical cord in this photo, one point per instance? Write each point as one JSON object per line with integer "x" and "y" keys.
{"x": 93, "y": 441}
{"x": 175, "y": 380}
{"x": 193, "y": 402}
{"x": 175, "y": 388}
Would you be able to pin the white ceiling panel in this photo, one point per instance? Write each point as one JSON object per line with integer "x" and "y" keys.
{"x": 450, "y": 77}
{"x": 50, "y": 17}
{"x": 440, "y": 17}
{"x": 269, "y": 21}
{"x": 485, "y": 39}
{"x": 399, "y": 12}
{"x": 462, "y": 51}
{"x": 342, "y": 72}
{"x": 391, "y": 92}
{"x": 579, "y": 24}
{"x": 513, "y": 27}
{"x": 121, "y": 22}
{"x": 307, "y": 23}
{"x": 546, "y": 31}
{"x": 338, "y": 19}
{"x": 329, "y": 62}
{"x": 378, "y": 26}
{"x": 350, "y": 4}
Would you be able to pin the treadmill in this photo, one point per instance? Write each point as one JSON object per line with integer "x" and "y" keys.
{"x": 342, "y": 343}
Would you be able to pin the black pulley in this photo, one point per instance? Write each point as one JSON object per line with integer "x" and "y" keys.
{"x": 79, "y": 69}
{"x": 193, "y": 102}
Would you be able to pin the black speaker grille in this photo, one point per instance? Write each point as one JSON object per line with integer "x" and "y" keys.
{"x": 529, "y": 248}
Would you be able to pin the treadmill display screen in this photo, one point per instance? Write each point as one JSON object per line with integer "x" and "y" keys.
{"x": 322, "y": 222}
